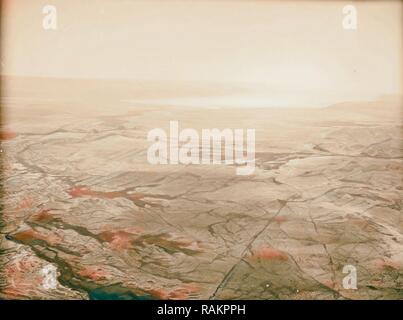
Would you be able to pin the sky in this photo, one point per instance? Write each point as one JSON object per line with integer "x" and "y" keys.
{"x": 288, "y": 46}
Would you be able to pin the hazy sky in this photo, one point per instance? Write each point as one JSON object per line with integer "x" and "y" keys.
{"x": 291, "y": 46}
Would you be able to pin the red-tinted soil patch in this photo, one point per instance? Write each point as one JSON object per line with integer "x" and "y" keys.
{"x": 280, "y": 219}
{"x": 7, "y": 135}
{"x": 269, "y": 254}
{"x": 181, "y": 293}
{"x": 43, "y": 216}
{"x": 136, "y": 198}
{"x": 119, "y": 240}
{"x": 28, "y": 236}
{"x": 94, "y": 273}
{"x": 389, "y": 264}
{"x": 26, "y": 203}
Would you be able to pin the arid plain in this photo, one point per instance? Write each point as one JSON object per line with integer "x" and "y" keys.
{"x": 80, "y": 198}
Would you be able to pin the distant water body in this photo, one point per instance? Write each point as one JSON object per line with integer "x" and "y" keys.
{"x": 247, "y": 101}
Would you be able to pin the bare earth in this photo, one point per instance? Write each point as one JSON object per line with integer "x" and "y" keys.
{"x": 80, "y": 195}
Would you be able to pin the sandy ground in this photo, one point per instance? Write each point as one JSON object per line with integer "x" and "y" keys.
{"x": 79, "y": 195}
